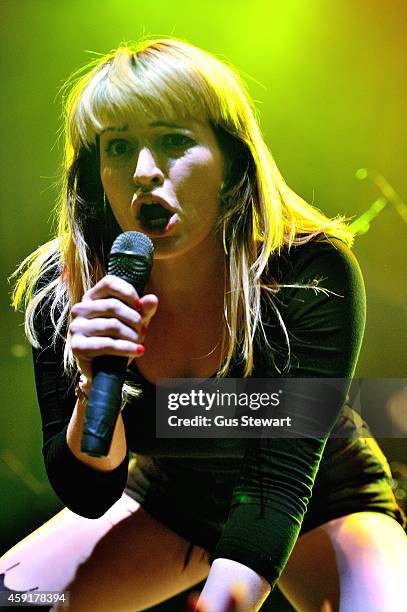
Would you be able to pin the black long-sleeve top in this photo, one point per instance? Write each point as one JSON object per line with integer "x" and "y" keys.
{"x": 276, "y": 476}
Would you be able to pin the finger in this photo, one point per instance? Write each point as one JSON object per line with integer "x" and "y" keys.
{"x": 112, "y": 286}
{"x": 194, "y": 606}
{"x": 192, "y": 602}
{"x": 86, "y": 348}
{"x": 113, "y": 328}
{"x": 238, "y": 598}
{"x": 236, "y": 601}
{"x": 106, "y": 308}
{"x": 148, "y": 307}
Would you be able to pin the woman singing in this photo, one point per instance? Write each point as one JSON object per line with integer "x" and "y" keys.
{"x": 248, "y": 281}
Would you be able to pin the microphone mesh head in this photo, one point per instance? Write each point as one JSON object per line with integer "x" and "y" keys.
{"x": 132, "y": 242}
{"x": 131, "y": 258}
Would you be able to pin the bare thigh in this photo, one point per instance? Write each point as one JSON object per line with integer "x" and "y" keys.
{"x": 124, "y": 561}
{"x": 356, "y": 563}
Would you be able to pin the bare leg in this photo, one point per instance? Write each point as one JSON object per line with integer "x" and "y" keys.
{"x": 356, "y": 563}
{"x": 125, "y": 560}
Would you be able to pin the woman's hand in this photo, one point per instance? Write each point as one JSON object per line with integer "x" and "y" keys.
{"x": 110, "y": 319}
{"x": 236, "y": 601}
{"x": 232, "y": 586}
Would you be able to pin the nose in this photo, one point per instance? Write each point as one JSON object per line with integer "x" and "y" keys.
{"x": 147, "y": 173}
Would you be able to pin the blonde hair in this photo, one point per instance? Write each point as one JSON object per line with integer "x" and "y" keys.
{"x": 260, "y": 214}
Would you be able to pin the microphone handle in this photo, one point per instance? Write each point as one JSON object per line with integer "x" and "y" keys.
{"x": 130, "y": 259}
{"x": 104, "y": 403}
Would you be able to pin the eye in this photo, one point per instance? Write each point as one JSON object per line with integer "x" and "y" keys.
{"x": 118, "y": 147}
{"x": 176, "y": 142}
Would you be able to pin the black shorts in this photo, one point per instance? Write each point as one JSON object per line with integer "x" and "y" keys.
{"x": 191, "y": 496}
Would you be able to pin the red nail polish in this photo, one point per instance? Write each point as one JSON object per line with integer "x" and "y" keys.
{"x": 192, "y": 603}
{"x": 140, "y": 350}
{"x": 138, "y": 304}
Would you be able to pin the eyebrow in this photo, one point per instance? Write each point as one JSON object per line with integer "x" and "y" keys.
{"x": 124, "y": 128}
{"x": 154, "y": 124}
{"x": 165, "y": 124}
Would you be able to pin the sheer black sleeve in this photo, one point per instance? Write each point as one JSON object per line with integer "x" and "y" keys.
{"x": 84, "y": 490}
{"x": 277, "y": 475}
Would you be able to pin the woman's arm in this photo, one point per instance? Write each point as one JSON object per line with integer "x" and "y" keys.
{"x": 275, "y": 484}
{"x": 103, "y": 324}
{"x": 85, "y": 490}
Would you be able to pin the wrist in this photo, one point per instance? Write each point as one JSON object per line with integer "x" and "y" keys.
{"x": 82, "y": 389}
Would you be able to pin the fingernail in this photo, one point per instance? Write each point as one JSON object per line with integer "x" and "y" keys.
{"x": 140, "y": 350}
{"x": 138, "y": 304}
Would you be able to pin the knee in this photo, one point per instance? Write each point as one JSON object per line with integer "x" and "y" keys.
{"x": 374, "y": 535}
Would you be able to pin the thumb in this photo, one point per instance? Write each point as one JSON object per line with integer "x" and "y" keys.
{"x": 147, "y": 307}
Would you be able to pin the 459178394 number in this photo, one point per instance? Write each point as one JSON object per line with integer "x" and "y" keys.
{"x": 38, "y": 597}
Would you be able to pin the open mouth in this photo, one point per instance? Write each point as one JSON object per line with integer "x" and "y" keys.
{"x": 154, "y": 216}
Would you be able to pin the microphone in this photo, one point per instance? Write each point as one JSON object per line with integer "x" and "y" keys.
{"x": 131, "y": 258}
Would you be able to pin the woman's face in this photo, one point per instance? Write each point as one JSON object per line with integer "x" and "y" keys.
{"x": 163, "y": 178}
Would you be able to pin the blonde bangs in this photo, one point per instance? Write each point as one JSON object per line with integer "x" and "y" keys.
{"x": 165, "y": 81}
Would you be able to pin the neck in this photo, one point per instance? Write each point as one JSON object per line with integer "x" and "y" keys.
{"x": 190, "y": 282}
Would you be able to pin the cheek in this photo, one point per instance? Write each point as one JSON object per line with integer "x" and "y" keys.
{"x": 105, "y": 175}
{"x": 117, "y": 187}
{"x": 109, "y": 180}
{"x": 117, "y": 194}
{"x": 199, "y": 176}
